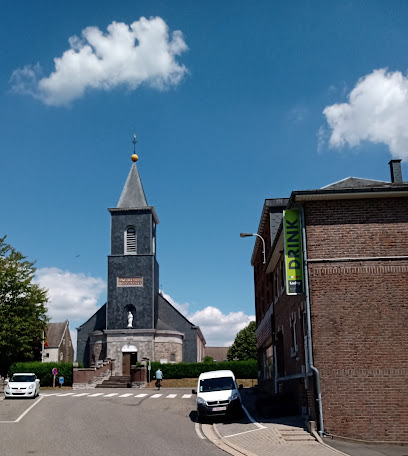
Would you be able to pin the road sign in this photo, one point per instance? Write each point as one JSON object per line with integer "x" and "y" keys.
{"x": 54, "y": 371}
{"x": 61, "y": 380}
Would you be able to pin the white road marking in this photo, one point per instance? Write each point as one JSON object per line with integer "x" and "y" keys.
{"x": 25, "y": 413}
{"x": 79, "y": 395}
{"x": 111, "y": 394}
{"x": 141, "y": 395}
{"x": 96, "y": 394}
{"x": 186, "y": 396}
{"x": 126, "y": 395}
{"x": 171, "y": 396}
{"x": 198, "y": 431}
{"x": 64, "y": 394}
{"x": 155, "y": 396}
{"x": 252, "y": 420}
{"x": 244, "y": 432}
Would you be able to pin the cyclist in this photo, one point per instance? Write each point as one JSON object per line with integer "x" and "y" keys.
{"x": 159, "y": 378}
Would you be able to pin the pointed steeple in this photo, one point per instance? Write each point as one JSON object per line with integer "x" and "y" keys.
{"x": 133, "y": 195}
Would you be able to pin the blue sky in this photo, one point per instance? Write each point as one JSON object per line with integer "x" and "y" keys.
{"x": 232, "y": 103}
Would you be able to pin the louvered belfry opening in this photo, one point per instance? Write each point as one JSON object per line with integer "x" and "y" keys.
{"x": 131, "y": 240}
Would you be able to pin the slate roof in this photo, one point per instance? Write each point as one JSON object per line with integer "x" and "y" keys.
{"x": 354, "y": 182}
{"x": 55, "y": 332}
{"x": 133, "y": 195}
{"x": 162, "y": 325}
{"x": 217, "y": 353}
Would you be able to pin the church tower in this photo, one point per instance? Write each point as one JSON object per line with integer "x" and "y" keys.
{"x": 133, "y": 272}
{"x": 137, "y": 322}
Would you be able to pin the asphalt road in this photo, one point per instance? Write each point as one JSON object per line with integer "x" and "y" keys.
{"x": 100, "y": 425}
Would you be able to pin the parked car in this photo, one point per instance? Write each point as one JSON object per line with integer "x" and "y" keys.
{"x": 22, "y": 385}
{"x": 217, "y": 394}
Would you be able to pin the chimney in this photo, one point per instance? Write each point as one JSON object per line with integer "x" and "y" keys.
{"x": 396, "y": 174}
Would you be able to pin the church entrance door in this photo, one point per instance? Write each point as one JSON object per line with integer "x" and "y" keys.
{"x": 126, "y": 363}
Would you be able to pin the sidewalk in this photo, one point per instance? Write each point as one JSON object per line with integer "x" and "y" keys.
{"x": 272, "y": 439}
{"x": 268, "y": 437}
{"x": 285, "y": 436}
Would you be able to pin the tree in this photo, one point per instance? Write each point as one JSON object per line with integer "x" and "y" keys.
{"x": 244, "y": 346}
{"x": 23, "y": 311}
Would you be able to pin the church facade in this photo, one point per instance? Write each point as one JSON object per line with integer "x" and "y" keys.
{"x": 136, "y": 322}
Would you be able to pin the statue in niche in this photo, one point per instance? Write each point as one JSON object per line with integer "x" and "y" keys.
{"x": 130, "y": 319}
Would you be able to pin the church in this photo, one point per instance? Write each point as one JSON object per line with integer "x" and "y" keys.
{"x": 137, "y": 322}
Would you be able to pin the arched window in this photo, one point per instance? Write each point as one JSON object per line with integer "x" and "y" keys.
{"x": 130, "y": 241}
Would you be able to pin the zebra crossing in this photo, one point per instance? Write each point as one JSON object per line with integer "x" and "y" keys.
{"x": 90, "y": 394}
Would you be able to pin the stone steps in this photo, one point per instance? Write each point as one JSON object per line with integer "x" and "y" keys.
{"x": 115, "y": 382}
{"x": 296, "y": 435}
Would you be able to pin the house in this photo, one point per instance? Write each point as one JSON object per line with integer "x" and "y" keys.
{"x": 217, "y": 353}
{"x": 58, "y": 344}
{"x": 331, "y": 303}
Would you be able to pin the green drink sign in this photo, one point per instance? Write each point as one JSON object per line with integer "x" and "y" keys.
{"x": 292, "y": 227}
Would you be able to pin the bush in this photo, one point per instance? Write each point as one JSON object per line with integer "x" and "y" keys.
{"x": 208, "y": 359}
{"x": 241, "y": 369}
{"x": 43, "y": 371}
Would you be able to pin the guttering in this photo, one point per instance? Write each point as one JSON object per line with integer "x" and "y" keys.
{"x": 388, "y": 191}
{"x": 309, "y": 326}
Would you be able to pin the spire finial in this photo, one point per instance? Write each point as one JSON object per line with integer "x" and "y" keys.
{"x": 134, "y": 157}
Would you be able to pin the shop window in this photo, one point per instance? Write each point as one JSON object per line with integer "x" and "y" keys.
{"x": 269, "y": 362}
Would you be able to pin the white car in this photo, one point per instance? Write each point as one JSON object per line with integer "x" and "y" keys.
{"x": 22, "y": 385}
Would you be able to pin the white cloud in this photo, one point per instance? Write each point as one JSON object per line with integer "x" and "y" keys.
{"x": 127, "y": 55}
{"x": 71, "y": 296}
{"x": 377, "y": 111}
{"x": 219, "y": 329}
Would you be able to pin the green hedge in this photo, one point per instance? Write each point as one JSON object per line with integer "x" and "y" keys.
{"x": 241, "y": 369}
{"x": 43, "y": 371}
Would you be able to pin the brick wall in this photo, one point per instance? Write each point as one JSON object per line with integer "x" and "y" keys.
{"x": 360, "y": 315}
{"x": 360, "y": 227}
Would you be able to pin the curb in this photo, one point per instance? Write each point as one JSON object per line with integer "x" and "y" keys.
{"x": 211, "y": 433}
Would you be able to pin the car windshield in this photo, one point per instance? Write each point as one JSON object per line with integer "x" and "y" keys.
{"x": 23, "y": 378}
{"x": 216, "y": 384}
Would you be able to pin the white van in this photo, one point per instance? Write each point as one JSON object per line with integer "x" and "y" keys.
{"x": 217, "y": 394}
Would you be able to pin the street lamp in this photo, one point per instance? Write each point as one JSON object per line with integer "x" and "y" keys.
{"x": 243, "y": 235}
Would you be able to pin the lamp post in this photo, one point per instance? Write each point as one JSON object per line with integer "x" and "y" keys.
{"x": 243, "y": 235}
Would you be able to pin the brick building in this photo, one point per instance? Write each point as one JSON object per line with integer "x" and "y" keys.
{"x": 136, "y": 322}
{"x": 339, "y": 349}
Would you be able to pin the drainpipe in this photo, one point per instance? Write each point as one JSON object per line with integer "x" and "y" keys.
{"x": 309, "y": 326}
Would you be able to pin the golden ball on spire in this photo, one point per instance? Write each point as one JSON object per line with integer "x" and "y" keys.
{"x": 134, "y": 158}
